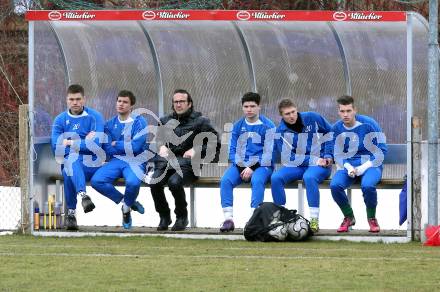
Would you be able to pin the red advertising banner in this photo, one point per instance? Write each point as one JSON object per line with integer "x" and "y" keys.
{"x": 238, "y": 15}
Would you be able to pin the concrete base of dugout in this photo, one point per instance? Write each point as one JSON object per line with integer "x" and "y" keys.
{"x": 386, "y": 236}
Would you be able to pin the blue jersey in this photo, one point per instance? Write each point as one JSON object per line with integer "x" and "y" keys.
{"x": 299, "y": 147}
{"x": 128, "y": 134}
{"x": 364, "y": 140}
{"x": 248, "y": 143}
{"x": 76, "y": 127}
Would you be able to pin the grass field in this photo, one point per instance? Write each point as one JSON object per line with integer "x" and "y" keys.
{"x": 155, "y": 263}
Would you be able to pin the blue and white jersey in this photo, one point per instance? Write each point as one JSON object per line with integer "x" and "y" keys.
{"x": 76, "y": 127}
{"x": 295, "y": 148}
{"x": 130, "y": 136}
{"x": 358, "y": 144}
{"x": 247, "y": 144}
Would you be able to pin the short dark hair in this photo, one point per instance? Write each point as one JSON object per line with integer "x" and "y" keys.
{"x": 345, "y": 100}
{"x": 129, "y": 94}
{"x": 251, "y": 96}
{"x": 188, "y": 99}
{"x": 75, "y": 88}
{"x": 285, "y": 103}
{"x": 183, "y": 91}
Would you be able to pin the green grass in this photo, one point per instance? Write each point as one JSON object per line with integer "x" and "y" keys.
{"x": 154, "y": 263}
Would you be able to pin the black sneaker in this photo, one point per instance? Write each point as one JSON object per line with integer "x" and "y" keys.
{"x": 138, "y": 207}
{"x": 165, "y": 221}
{"x": 227, "y": 226}
{"x": 126, "y": 220}
{"x": 87, "y": 204}
{"x": 181, "y": 223}
{"x": 70, "y": 222}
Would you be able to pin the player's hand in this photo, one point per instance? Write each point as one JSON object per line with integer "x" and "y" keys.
{"x": 246, "y": 174}
{"x": 91, "y": 135}
{"x": 352, "y": 173}
{"x": 67, "y": 142}
{"x": 113, "y": 143}
{"x": 360, "y": 170}
{"x": 325, "y": 162}
{"x": 350, "y": 170}
{"x": 163, "y": 151}
{"x": 189, "y": 153}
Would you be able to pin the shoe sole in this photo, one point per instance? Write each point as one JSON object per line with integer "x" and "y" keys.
{"x": 89, "y": 208}
{"x": 178, "y": 229}
{"x": 224, "y": 230}
{"x": 163, "y": 228}
{"x": 342, "y": 231}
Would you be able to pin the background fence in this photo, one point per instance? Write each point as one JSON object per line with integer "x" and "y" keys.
{"x": 10, "y": 208}
{"x": 10, "y": 201}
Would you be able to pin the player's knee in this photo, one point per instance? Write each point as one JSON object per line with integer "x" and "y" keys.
{"x": 133, "y": 182}
{"x": 335, "y": 186}
{"x": 277, "y": 179}
{"x": 175, "y": 183}
{"x": 368, "y": 188}
{"x": 96, "y": 182}
{"x": 310, "y": 179}
{"x": 257, "y": 181}
{"x": 225, "y": 182}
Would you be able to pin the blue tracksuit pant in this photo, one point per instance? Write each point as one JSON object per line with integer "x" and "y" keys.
{"x": 369, "y": 180}
{"x": 232, "y": 178}
{"x": 311, "y": 175}
{"x": 75, "y": 181}
{"x": 103, "y": 180}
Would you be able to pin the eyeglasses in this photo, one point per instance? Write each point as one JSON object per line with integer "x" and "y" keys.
{"x": 179, "y": 102}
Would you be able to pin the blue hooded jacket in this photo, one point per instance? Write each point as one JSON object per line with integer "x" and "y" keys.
{"x": 296, "y": 149}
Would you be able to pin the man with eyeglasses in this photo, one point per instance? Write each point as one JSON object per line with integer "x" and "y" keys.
{"x": 175, "y": 142}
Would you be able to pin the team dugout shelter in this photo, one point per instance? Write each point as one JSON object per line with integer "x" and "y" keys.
{"x": 313, "y": 57}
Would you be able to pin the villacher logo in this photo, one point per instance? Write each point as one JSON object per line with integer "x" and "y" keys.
{"x": 172, "y": 15}
{"x": 243, "y": 15}
{"x": 364, "y": 16}
{"x": 265, "y": 15}
{"x": 149, "y": 15}
{"x": 341, "y": 16}
{"x": 76, "y": 15}
{"x": 54, "y": 15}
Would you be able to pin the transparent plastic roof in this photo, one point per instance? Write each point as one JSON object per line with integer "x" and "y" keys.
{"x": 218, "y": 61}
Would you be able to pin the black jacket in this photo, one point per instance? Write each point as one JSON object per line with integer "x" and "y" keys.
{"x": 191, "y": 122}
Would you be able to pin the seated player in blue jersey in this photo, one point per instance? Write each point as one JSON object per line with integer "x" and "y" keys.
{"x": 127, "y": 140}
{"x": 358, "y": 149}
{"x": 251, "y": 158}
{"x": 75, "y": 139}
{"x": 302, "y": 155}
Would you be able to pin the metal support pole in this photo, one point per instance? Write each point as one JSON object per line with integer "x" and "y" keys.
{"x": 433, "y": 114}
{"x": 409, "y": 114}
{"x": 414, "y": 205}
{"x": 192, "y": 207}
{"x": 300, "y": 198}
{"x": 26, "y": 211}
{"x": 31, "y": 63}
